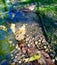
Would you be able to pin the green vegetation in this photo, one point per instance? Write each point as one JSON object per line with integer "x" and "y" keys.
{"x": 48, "y": 14}
{"x": 3, "y": 5}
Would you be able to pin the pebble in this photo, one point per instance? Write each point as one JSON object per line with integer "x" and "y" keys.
{"x": 39, "y": 43}
{"x": 18, "y": 48}
{"x": 56, "y": 58}
{"x": 53, "y": 60}
{"x": 45, "y": 47}
{"x": 23, "y": 50}
{"x": 13, "y": 63}
{"x": 20, "y": 62}
{"x": 28, "y": 45}
{"x": 43, "y": 41}
{"x": 36, "y": 42}
{"x": 15, "y": 60}
{"x": 15, "y": 56}
{"x": 47, "y": 50}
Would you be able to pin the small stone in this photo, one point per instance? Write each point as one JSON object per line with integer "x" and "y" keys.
{"x": 12, "y": 58}
{"x": 56, "y": 58}
{"x": 11, "y": 54}
{"x": 13, "y": 63}
{"x": 23, "y": 50}
{"x": 28, "y": 45}
{"x": 36, "y": 42}
{"x": 18, "y": 48}
{"x": 27, "y": 39}
{"x": 46, "y": 50}
{"x": 16, "y": 52}
{"x": 45, "y": 47}
{"x": 19, "y": 61}
{"x": 15, "y": 60}
{"x": 15, "y": 56}
{"x": 43, "y": 41}
{"x": 39, "y": 40}
{"x": 22, "y": 55}
{"x": 12, "y": 51}
{"x": 53, "y": 60}
{"x": 31, "y": 43}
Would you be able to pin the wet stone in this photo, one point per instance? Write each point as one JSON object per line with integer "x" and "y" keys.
{"x": 43, "y": 41}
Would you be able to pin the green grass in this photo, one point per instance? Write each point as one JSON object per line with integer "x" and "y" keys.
{"x": 51, "y": 10}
